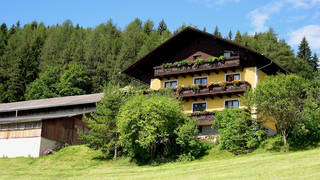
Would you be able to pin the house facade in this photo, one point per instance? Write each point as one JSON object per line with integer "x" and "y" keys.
{"x": 28, "y": 128}
{"x": 209, "y": 73}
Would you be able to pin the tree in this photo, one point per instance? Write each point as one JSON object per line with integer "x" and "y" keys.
{"x": 237, "y": 131}
{"x": 162, "y": 27}
{"x": 314, "y": 62}
{"x": 149, "y": 126}
{"x": 230, "y": 35}
{"x": 281, "y": 97}
{"x": 216, "y": 32}
{"x": 73, "y": 81}
{"x": 304, "y": 51}
{"x": 104, "y": 134}
{"x": 148, "y": 27}
{"x": 237, "y": 38}
{"x": 46, "y": 86}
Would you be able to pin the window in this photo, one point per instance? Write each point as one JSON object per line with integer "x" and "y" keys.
{"x": 36, "y": 125}
{"x": 201, "y": 80}
{"x": 196, "y": 57}
{"x": 170, "y": 84}
{"x": 228, "y": 54}
{"x": 20, "y": 126}
{"x": 199, "y": 107}
{"x": 12, "y": 126}
{"x": 29, "y": 126}
{"x": 231, "y": 104}
{"x": 232, "y": 77}
{"x": 3, "y": 127}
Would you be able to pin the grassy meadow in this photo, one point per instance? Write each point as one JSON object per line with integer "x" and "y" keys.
{"x": 79, "y": 162}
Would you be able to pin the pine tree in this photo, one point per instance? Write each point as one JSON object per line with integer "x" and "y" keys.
{"x": 237, "y": 38}
{"x": 162, "y": 27}
{"x": 148, "y": 27}
{"x": 216, "y": 32}
{"x": 230, "y": 35}
{"x": 304, "y": 51}
{"x": 314, "y": 62}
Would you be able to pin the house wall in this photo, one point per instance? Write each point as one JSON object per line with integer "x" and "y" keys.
{"x": 217, "y": 103}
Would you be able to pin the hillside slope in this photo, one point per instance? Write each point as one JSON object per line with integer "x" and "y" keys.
{"x": 79, "y": 162}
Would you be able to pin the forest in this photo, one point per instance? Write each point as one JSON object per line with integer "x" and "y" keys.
{"x": 39, "y": 61}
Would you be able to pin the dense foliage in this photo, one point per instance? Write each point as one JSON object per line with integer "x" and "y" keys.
{"x": 104, "y": 133}
{"x": 238, "y": 132}
{"x": 292, "y": 102}
{"x": 155, "y": 127}
{"x": 29, "y": 54}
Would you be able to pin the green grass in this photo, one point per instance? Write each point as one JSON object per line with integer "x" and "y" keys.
{"x": 78, "y": 162}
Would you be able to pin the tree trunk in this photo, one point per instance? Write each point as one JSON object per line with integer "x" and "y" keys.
{"x": 285, "y": 142}
{"x": 115, "y": 151}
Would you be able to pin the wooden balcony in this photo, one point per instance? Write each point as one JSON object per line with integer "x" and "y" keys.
{"x": 230, "y": 88}
{"x": 204, "y": 118}
{"x": 230, "y": 63}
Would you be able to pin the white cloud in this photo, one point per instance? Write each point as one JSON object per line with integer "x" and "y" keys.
{"x": 211, "y": 3}
{"x": 259, "y": 16}
{"x": 303, "y": 3}
{"x": 311, "y": 32}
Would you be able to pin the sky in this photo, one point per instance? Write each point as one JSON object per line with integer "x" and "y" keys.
{"x": 291, "y": 19}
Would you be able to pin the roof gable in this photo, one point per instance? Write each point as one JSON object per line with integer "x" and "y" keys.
{"x": 191, "y": 40}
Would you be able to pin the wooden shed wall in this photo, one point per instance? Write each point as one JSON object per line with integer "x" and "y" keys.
{"x": 63, "y": 130}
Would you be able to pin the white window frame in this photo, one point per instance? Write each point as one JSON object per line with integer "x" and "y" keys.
{"x": 225, "y": 75}
{"x": 170, "y": 81}
{"x": 199, "y": 102}
{"x": 224, "y": 102}
{"x": 200, "y": 77}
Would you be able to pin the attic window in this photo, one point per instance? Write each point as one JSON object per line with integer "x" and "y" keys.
{"x": 227, "y": 54}
{"x": 196, "y": 57}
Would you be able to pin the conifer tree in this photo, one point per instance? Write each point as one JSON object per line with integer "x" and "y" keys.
{"x": 237, "y": 38}
{"x": 230, "y": 35}
{"x": 314, "y": 62}
{"x": 304, "y": 51}
{"x": 162, "y": 27}
{"x": 216, "y": 32}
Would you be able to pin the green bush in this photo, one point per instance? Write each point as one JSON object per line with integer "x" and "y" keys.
{"x": 237, "y": 130}
{"x": 273, "y": 143}
{"x": 154, "y": 127}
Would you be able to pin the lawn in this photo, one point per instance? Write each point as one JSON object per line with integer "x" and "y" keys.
{"x": 78, "y": 162}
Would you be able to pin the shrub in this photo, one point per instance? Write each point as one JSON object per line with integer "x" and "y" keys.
{"x": 273, "y": 143}
{"x": 154, "y": 127}
{"x": 238, "y": 131}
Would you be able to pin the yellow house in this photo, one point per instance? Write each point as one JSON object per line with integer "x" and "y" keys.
{"x": 208, "y": 72}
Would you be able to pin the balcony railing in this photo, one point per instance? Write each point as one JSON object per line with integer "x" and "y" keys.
{"x": 229, "y": 63}
{"x": 229, "y": 88}
{"x": 204, "y": 118}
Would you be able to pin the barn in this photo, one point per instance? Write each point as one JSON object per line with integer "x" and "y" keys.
{"x": 28, "y": 128}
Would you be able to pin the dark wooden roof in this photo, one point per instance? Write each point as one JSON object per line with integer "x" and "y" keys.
{"x": 143, "y": 68}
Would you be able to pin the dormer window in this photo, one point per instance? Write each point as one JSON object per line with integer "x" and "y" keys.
{"x": 196, "y": 57}
{"x": 227, "y": 54}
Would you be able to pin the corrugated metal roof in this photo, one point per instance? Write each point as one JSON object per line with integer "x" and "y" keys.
{"x": 51, "y": 102}
{"x": 42, "y": 117}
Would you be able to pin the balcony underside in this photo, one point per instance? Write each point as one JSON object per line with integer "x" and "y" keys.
{"x": 204, "y": 119}
{"x": 232, "y": 63}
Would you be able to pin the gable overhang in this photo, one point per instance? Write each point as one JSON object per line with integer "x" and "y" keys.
{"x": 143, "y": 68}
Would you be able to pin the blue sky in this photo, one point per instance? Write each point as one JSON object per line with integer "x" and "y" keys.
{"x": 291, "y": 19}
